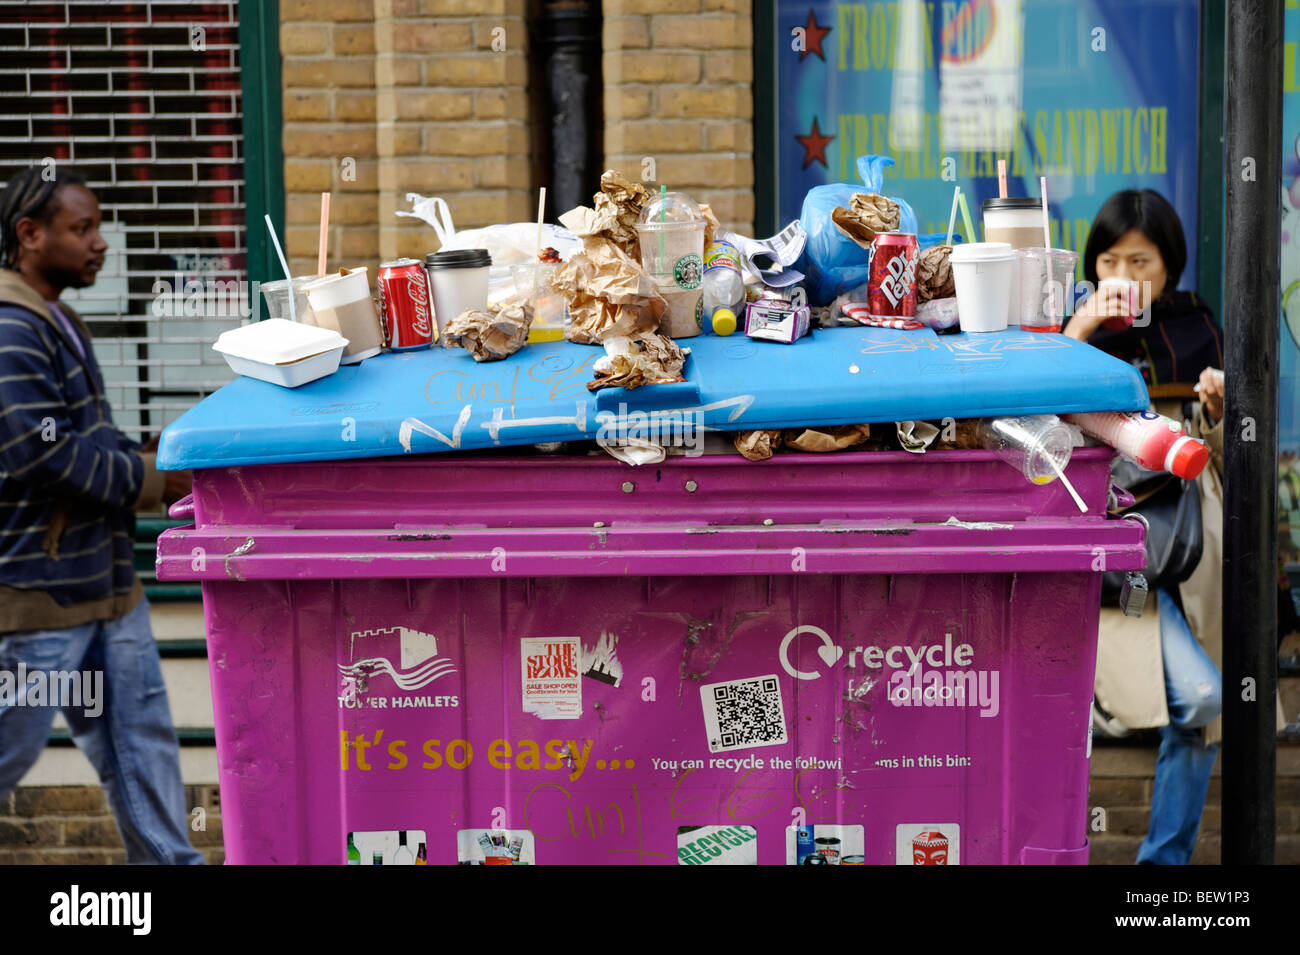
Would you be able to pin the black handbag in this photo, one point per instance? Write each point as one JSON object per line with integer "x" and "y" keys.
{"x": 1174, "y": 538}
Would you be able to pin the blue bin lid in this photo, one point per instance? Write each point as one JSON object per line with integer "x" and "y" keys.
{"x": 441, "y": 399}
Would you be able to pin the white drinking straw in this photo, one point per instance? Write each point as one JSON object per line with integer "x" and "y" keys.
{"x": 275, "y": 239}
{"x": 1051, "y": 459}
{"x": 541, "y": 211}
{"x": 952, "y": 216}
{"x": 1051, "y": 286}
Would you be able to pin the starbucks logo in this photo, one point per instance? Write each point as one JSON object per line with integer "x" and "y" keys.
{"x": 687, "y": 271}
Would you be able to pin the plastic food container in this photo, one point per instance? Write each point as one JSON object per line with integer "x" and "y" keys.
{"x": 282, "y": 352}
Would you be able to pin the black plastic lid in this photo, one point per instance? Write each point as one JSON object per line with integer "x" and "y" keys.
{"x": 458, "y": 259}
{"x": 1013, "y": 202}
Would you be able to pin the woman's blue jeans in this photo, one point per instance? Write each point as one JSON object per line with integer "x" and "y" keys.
{"x": 124, "y": 727}
{"x": 1194, "y": 691}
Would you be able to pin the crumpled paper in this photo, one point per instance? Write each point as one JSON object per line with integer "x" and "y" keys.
{"x": 644, "y": 359}
{"x": 608, "y": 294}
{"x": 489, "y": 336}
{"x": 834, "y": 438}
{"x": 618, "y": 210}
{"x": 916, "y": 436}
{"x": 934, "y": 274}
{"x": 636, "y": 451}
{"x": 867, "y": 214}
{"x": 962, "y": 434}
{"x": 757, "y": 445}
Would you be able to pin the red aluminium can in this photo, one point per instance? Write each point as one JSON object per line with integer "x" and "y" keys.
{"x": 404, "y": 305}
{"x": 891, "y": 285}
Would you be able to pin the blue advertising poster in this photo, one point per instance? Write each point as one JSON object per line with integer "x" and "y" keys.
{"x": 1096, "y": 95}
{"x": 1289, "y": 397}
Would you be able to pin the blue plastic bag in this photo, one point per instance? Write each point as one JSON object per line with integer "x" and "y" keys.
{"x": 834, "y": 263}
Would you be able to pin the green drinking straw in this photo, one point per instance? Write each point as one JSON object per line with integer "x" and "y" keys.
{"x": 663, "y": 203}
{"x": 965, "y": 217}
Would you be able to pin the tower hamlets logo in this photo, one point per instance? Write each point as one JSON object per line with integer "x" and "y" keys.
{"x": 828, "y": 651}
{"x": 418, "y": 656}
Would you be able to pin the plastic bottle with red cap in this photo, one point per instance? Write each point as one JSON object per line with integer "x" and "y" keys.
{"x": 1152, "y": 440}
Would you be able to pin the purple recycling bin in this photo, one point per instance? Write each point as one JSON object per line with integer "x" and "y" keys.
{"x": 855, "y": 658}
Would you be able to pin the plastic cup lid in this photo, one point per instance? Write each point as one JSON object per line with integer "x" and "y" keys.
{"x": 1012, "y": 203}
{"x": 458, "y": 259}
{"x": 679, "y": 211}
{"x": 981, "y": 252}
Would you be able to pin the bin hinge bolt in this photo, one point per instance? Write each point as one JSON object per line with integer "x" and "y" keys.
{"x": 692, "y": 487}
{"x": 628, "y": 487}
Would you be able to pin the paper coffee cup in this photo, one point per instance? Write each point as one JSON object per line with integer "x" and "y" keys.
{"x": 982, "y": 274}
{"x": 342, "y": 302}
{"x": 458, "y": 281}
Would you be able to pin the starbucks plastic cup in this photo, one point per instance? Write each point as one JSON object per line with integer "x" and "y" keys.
{"x": 982, "y": 273}
{"x": 1044, "y": 297}
{"x": 342, "y": 302}
{"x": 671, "y": 231}
{"x": 458, "y": 280}
{"x": 1029, "y": 443}
{"x": 276, "y": 295}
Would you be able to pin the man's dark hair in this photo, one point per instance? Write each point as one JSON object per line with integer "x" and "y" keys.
{"x": 30, "y": 194}
{"x": 1152, "y": 215}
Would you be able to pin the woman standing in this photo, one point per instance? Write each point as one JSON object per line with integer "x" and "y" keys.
{"x": 1155, "y": 670}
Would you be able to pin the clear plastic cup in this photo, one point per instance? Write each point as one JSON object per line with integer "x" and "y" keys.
{"x": 982, "y": 273}
{"x": 1029, "y": 443}
{"x": 276, "y": 295}
{"x": 671, "y": 232}
{"x": 1046, "y": 284}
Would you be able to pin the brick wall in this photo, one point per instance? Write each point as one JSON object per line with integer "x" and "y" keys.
{"x": 72, "y": 825}
{"x": 678, "y": 80}
{"x": 414, "y": 93}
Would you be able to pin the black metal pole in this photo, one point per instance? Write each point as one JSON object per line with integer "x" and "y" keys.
{"x": 569, "y": 48}
{"x": 1252, "y": 304}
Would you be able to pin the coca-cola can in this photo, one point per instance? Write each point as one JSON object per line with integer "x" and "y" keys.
{"x": 891, "y": 285}
{"x": 404, "y": 305}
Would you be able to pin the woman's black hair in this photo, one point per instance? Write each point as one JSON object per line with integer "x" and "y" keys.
{"x": 1152, "y": 215}
{"x": 30, "y": 194}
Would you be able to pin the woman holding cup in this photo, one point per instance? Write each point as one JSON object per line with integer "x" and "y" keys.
{"x": 1159, "y": 670}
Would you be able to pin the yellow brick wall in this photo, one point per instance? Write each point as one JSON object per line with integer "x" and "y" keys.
{"x": 386, "y": 97}
{"x": 678, "y": 82}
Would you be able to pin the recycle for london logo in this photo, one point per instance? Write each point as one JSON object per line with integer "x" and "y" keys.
{"x": 418, "y": 656}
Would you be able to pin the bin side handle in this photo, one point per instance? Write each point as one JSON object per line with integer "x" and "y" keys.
{"x": 182, "y": 509}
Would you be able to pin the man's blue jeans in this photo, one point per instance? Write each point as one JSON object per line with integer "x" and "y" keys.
{"x": 130, "y": 742}
{"x": 1194, "y": 691}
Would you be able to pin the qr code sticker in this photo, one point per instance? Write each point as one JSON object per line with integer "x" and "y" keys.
{"x": 743, "y": 714}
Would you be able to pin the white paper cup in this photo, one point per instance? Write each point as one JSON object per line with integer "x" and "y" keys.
{"x": 342, "y": 302}
{"x": 982, "y": 273}
{"x": 458, "y": 280}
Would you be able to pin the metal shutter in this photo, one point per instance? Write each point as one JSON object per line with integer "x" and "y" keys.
{"x": 143, "y": 100}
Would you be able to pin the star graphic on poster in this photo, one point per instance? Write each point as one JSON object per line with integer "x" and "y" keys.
{"x": 814, "y": 146}
{"x": 813, "y": 35}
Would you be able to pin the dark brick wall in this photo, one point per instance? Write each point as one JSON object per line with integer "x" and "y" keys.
{"x": 72, "y": 825}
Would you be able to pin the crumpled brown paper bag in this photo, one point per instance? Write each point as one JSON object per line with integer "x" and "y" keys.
{"x": 649, "y": 358}
{"x": 934, "y": 274}
{"x": 834, "y": 438}
{"x": 618, "y": 209}
{"x": 757, "y": 445}
{"x": 607, "y": 292}
{"x": 867, "y": 214}
{"x": 489, "y": 336}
